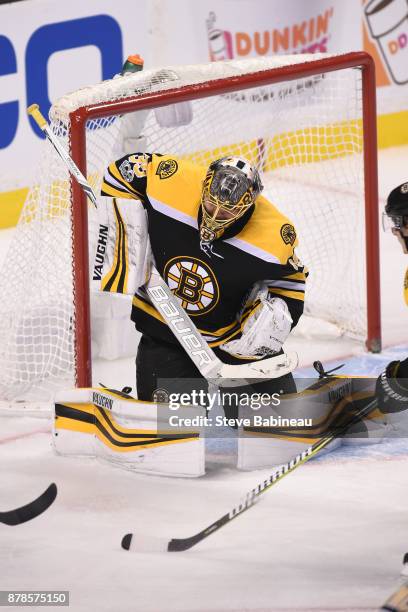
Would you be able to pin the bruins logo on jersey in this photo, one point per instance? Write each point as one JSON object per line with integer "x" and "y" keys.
{"x": 288, "y": 234}
{"x": 167, "y": 168}
{"x": 193, "y": 282}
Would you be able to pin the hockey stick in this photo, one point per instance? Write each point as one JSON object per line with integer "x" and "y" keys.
{"x": 31, "y": 510}
{"x": 145, "y": 544}
{"x": 34, "y": 111}
{"x": 198, "y": 350}
{"x": 209, "y": 365}
{"x": 398, "y": 601}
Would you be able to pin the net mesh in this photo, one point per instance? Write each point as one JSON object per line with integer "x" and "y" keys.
{"x": 305, "y": 136}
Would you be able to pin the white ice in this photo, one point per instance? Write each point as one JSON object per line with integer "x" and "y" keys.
{"x": 330, "y": 536}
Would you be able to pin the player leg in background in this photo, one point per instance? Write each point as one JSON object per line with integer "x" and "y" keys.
{"x": 392, "y": 395}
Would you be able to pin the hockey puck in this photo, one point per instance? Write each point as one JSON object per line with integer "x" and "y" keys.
{"x": 126, "y": 540}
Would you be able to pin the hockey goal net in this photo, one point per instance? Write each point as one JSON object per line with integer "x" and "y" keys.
{"x": 306, "y": 121}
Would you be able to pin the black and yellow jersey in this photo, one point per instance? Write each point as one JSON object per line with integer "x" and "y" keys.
{"x": 213, "y": 288}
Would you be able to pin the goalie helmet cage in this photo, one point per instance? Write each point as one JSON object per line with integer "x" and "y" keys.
{"x": 308, "y": 123}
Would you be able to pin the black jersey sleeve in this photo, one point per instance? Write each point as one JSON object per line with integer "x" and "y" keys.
{"x": 291, "y": 288}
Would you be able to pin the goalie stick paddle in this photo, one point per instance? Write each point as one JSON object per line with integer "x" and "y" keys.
{"x": 130, "y": 540}
{"x": 207, "y": 362}
{"x": 31, "y": 510}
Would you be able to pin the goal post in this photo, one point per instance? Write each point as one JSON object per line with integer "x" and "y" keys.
{"x": 219, "y": 86}
{"x": 309, "y": 124}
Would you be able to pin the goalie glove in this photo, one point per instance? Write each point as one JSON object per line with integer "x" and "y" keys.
{"x": 392, "y": 387}
{"x": 264, "y": 332}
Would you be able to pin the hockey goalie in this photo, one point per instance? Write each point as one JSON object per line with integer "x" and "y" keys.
{"x": 229, "y": 257}
{"x": 225, "y": 251}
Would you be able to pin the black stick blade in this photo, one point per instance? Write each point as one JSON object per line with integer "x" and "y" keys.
{"x": 126, "y": 541}
{"x": 31, "y": 510}
{"x": 178, "y": 545}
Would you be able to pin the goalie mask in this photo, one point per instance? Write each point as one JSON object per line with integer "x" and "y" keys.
{"x": 230, "y": 188}
{"x": 395, "y": 216}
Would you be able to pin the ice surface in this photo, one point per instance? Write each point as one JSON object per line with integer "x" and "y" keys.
{"x": 329, "y": 536}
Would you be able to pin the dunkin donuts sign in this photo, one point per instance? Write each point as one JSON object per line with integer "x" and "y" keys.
{"x": 309, "y": 35}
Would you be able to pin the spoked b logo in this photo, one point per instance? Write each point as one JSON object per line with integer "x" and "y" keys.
{"x": 193, "y": 282}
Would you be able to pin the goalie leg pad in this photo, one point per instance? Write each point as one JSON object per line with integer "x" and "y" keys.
{"x": 128, "y": 433}
{"x": 279, "y": 432}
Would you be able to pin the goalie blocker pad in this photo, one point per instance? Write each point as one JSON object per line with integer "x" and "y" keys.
{"x": 279, "y": 432}
{"x": 122, "y": 254}
{"x": 131, "y": 434}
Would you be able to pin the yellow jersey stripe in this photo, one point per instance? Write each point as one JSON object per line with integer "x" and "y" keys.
{"x": 295, "y": 295}
{"x": 115, "y": 192}
{"x": 299, "y": 276}
{"x": 147, "y": 308}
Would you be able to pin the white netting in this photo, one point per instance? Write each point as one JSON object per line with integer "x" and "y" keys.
{"x": 305, "y": 135}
